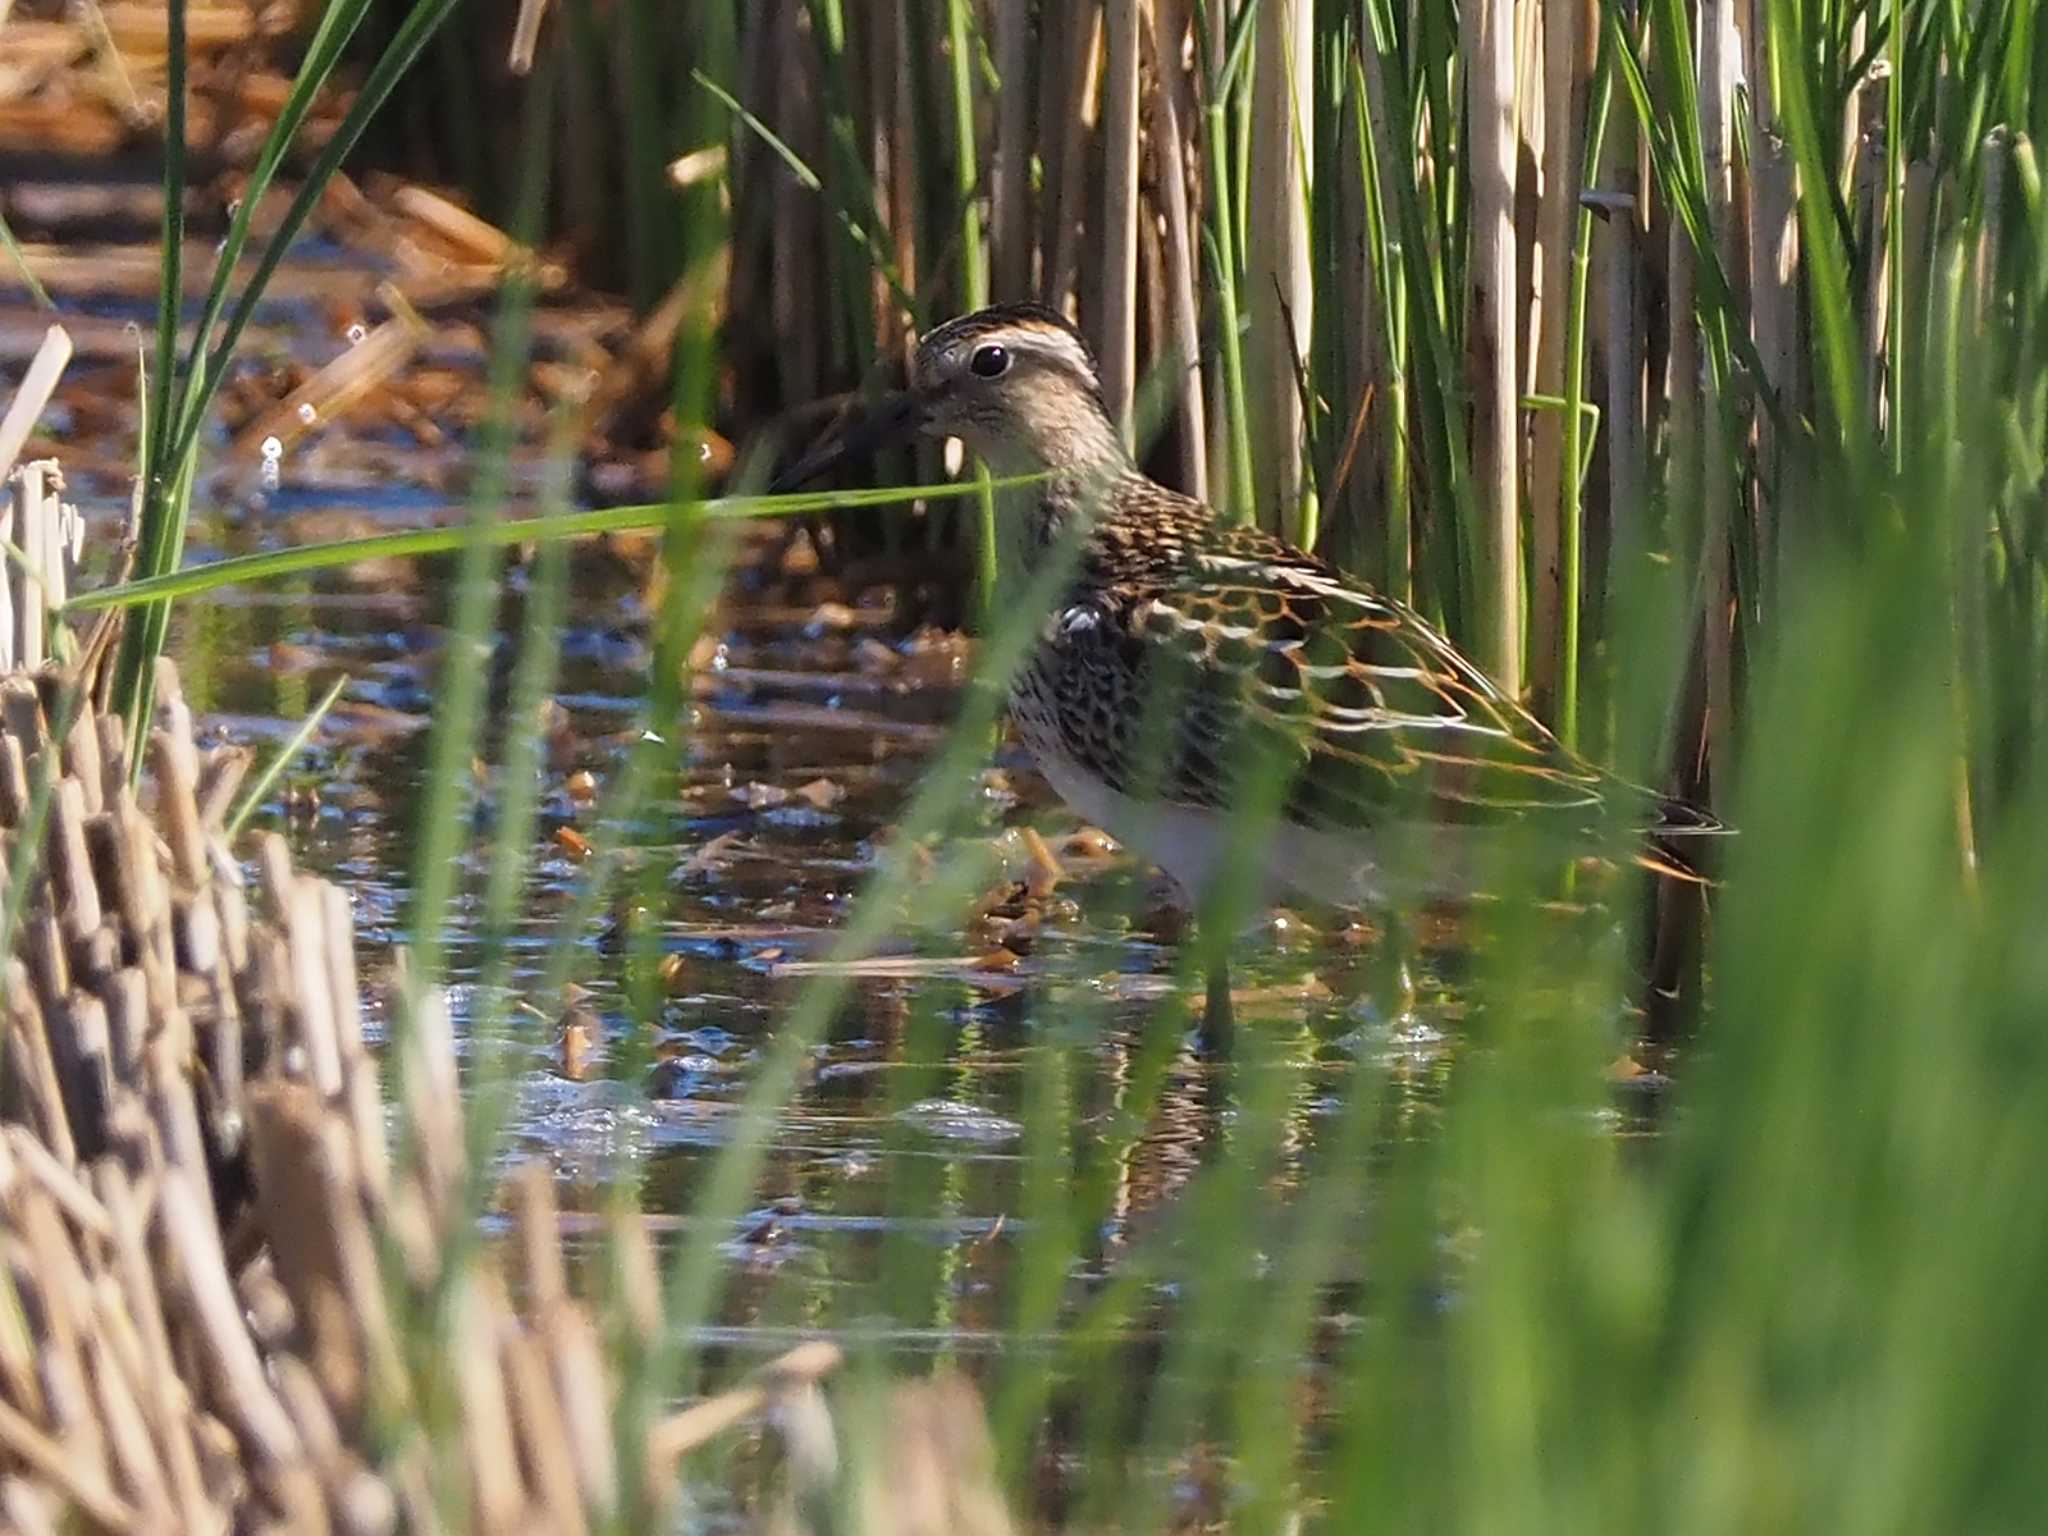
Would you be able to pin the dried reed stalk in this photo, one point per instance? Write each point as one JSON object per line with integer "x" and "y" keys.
{"x": 1556, "y": 226}
{"x": 162, "y": 1376}
{"x": 48, "y": 532}
{"x": 1718, "y": 68}
{"x": 526, "y": 36}
{"x": 37, "y": 385}
{"x": 1487, "y": 35}
{"x": 1116, "y": 326}
{"x": 1010, "y": 227}
{"x": 1073, "y": 108}
{"x": 1172, "y": 119}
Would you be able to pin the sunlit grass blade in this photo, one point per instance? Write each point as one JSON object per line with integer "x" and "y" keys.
{"x": 1578, "y": 444}
{"x": 515, "y": 811}
{"x": 1432, "y": 265}
{"x": 338, "y": 22}
{"x": 1236, "y": 491}
{"x": 258, "y": 789}
{"x": 419, "y": 26}
{"x": 158, "y": 435}
{"x": 335, "y": 554}
{"x": 25, "y": 854}
{"x": 19, "y": 259}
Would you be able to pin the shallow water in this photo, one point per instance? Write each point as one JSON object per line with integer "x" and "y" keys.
{"x": 806, "y": 741}
{"x": 902, "y": 1152}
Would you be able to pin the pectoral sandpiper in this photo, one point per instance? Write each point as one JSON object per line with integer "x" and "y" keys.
{"x": 1386, "y": 757}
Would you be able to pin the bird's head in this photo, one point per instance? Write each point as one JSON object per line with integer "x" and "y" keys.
{"x": 1019, "y": 386}
{"x": 1015, "y": 382}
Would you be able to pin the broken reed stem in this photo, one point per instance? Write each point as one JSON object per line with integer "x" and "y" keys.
{"x": 162, "y": 1375}
{"x": 37, "y": 385}
{"x": 684, "y": 1431}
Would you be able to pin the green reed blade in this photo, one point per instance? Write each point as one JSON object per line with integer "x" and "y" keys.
{"x": 36, "y": 291}
{"x": 421, "y": 21}
{"x": 173, "y": 455}
{"x": 864, "y": 230}
{"x": 333, "y": 554}
{"x": 973, "y": 269}
{"x": 170, "y": 280}
{"x": 258, "y": 789}
{"x": 1578, "y": 445}
{"x": 1239, "y": 500}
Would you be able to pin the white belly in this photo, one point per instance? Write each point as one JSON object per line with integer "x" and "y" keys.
{"x": 1194, "y": 846}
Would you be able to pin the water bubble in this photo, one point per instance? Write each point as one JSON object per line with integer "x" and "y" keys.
{"x": 234, "y": 206}
{"x": 307, "y": 414}
{"x": 273, "y": 458}
{"x": 356, "y": 333}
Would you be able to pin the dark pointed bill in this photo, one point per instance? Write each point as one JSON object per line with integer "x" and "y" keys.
{"x": 888, "y": 420}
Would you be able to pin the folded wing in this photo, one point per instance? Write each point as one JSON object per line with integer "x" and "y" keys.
{"x": 1256, "y": 664}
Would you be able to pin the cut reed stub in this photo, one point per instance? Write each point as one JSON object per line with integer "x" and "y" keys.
{"x": 195, "y": 1181}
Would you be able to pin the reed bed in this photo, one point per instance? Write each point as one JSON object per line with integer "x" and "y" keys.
{"x": 1576, "y": 314}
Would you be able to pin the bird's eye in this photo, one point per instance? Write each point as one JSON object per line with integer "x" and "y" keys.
{"x": 990, "y": 362}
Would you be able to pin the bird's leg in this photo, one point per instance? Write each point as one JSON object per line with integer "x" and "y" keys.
{"x": 1393, "y": 984}
{"x": 1219, "y": 1024}
{"x": 1672, "y": 981}
{"x": 1216, "y": 1086}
